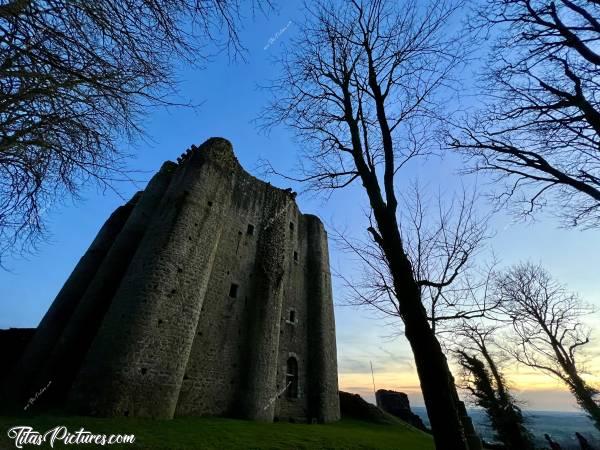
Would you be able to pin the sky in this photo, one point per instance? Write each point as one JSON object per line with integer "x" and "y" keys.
{"x": 231, "y": 100}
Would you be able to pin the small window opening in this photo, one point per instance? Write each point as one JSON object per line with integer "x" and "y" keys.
{"x": 295, "y": 256}
{"x": 291, "y": 378}
{"x": 291, "y": 226}
{"x": 250, "y": 230}
{"x": 292, "y": 316}
{"x": 233, "y": 290}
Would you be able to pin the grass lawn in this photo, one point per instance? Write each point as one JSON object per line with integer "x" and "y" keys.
{"x": 218, "y": 433}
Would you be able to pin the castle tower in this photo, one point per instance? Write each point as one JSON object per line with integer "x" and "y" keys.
{"x": 208, "y": 294}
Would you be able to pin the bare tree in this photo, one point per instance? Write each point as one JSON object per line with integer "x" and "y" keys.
{"x": 540, "y": 134}
{"x": 480, "y": 359}
{"x": 549, "y": 329}
{"x": 441, "y": 246}
{"x": 75, "y": 78}
{"x": 360, "y": 87}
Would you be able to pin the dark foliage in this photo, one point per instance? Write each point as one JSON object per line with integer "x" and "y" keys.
{"x": 75, "y": 79}
{"x": 504, "y": 415}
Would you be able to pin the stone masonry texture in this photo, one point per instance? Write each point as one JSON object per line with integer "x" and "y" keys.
{"x": 208, "y": 293}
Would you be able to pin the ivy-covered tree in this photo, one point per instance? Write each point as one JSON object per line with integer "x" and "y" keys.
{"x": 486, "y": 384}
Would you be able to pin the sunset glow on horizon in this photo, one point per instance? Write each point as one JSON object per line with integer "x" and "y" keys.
{"x": 534, "y": 390}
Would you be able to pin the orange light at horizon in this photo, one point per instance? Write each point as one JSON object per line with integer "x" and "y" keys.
{"x": 535, "y": 390}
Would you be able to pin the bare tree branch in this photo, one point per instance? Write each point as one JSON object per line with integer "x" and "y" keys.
{"x": 539, "y": 136}
{"x": 361, "y": 87}
{"x": 76, "y": 77}
{"x": 548, "y": 328}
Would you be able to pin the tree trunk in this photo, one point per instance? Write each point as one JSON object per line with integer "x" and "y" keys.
{"x": 437, "y": 386}
{"x": 583, "y": 393}
{"x": 585, "y": 398}
{"x": 438, "y": 390}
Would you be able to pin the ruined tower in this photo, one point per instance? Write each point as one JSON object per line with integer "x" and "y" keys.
{"x": 208, "y": 293}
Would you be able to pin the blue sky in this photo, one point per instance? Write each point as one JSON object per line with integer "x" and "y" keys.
{"x": 230, "y": 101}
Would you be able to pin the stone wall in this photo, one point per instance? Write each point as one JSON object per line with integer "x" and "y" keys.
{"x": 13, "y": 343}
{"x": 397, "y": 404}
{"x": 23, "y": 380}
{"x": 195, "y": 302}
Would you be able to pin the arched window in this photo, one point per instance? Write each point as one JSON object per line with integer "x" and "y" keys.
{"x": 291, "y": 378}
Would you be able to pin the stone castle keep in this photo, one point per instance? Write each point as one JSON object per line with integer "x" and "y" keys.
{"x": 208, "y": 293}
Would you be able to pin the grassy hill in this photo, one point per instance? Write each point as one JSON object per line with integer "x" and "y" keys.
{"x": 217, "y": 433}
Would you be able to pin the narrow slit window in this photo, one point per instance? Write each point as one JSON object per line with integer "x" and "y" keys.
{"x": 250, "y": 230}
{"x": 296, "y": 256}
{"x": 291, "y": 226}
{"x": 291, "y": 378}
{"x": 233, "y": 290}
{"x": 292, "y": 316}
